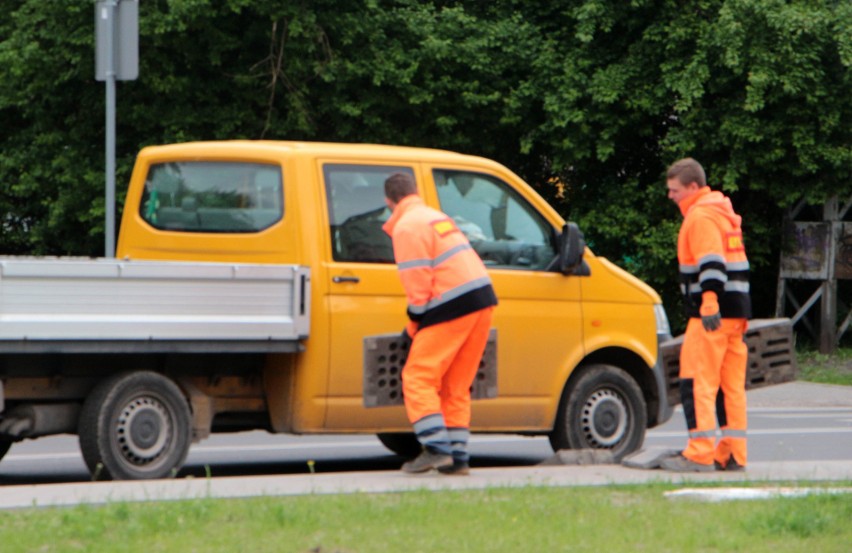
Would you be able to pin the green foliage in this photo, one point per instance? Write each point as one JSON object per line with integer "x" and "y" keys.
{"x": 47, "y": 142}
{"x": 596, "y": 96}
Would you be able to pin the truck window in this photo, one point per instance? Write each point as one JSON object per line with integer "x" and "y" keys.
{"x": 357, "y": 211}
{"x": 212, "y": 196}
{"x": 501, "y": 226}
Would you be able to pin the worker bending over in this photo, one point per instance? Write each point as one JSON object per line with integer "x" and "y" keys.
{"x": 450, "y": 305}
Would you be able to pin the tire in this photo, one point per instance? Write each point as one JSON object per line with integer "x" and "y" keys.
{"x": 603, "y": 408}
{"x": 404, "y": 444}
{"x": 135, "y": 426}
{"x": 5, "y": 444}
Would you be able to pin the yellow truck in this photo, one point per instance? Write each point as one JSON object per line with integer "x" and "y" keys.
{"x": 248, "y": 275}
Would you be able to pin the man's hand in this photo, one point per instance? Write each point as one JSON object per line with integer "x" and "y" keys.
{"x": 711, "y": 318}
{"x": 711, "y": 322}
{"x": 407, "y": 335}
{"x": 405, "y": 339}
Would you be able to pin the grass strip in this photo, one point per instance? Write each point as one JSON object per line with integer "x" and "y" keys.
{"x": 826, "y": 369}
{"x": 534, "y": 519}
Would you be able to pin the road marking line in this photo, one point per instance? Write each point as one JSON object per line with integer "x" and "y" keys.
{"x": 40, "y": 457}
{"x": 791, "y": 410}
{"x": 368, "y": 442}
{"x": 802, "y": 415}
{"x": 768, "y": 432}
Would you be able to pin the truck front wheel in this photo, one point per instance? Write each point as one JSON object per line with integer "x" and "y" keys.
{"x": 135, "y": 426}
{"x": 602, "y": 408}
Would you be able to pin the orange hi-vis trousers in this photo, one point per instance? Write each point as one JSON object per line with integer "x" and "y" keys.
{"x": 712, "y": 386}
{"x": 442, "y": 363}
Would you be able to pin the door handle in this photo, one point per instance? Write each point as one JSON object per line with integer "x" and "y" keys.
{"x": 342, "y": 279}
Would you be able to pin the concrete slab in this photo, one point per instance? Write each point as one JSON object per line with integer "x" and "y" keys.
{"x": 580, "y": 457}
{"x": 648, "y": 458}
{"x": 715, "y": 495}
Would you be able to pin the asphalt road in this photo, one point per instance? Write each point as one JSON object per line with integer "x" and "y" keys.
{"x": 787, "y": 423}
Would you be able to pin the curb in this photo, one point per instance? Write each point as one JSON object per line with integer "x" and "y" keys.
{"x": 99, "y": 493}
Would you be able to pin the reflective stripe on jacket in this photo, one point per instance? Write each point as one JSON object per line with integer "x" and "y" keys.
{"x": 443, "y": 277}
{"x": 712, "y": 255}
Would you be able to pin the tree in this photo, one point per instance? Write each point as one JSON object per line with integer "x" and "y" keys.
{"x": 589, "y": 100}
{"x": 47, "y": 131}
{"x": 755, "y": 89}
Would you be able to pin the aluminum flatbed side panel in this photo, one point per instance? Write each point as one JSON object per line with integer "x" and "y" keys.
{"x": 106, "y": 299}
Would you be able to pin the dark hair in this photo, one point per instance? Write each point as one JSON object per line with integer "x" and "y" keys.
{"x": 687, "y": 170}
{"x": 399, "y": 185}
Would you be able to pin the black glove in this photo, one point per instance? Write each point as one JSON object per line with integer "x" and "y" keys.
{"x": 711, "y": 317}
{"x": 711, "y": 322}
{"x": 405, "y": 340}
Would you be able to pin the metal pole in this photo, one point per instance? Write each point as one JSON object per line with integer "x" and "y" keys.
{"x": 109, "y": 246}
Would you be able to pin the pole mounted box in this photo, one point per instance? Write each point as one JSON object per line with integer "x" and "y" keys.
{"x": 117, "y": 39}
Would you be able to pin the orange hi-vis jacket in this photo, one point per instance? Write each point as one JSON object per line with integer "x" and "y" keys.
{"x": 712, "y": 256}
{"x": 443, "y": 277}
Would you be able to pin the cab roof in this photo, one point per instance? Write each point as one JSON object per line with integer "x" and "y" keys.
{"x": 274, "y": 148}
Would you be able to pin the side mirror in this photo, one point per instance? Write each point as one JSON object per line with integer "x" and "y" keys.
{"x": 572, "y": 246}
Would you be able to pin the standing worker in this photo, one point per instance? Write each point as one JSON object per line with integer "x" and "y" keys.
{"x": 450, "y": 305}
{"x": 714, "y": 279}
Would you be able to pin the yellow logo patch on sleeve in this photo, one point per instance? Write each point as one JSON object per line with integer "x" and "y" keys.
{"x": 444, "y": 227}
{"x": 735, "y": 242}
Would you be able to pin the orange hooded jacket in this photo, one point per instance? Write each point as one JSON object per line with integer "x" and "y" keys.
{"x": 712, "y": 256}
{"x": 443, "y": 277}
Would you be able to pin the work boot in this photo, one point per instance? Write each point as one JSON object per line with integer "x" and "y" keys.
{"x": 730, "y": 466}
{"x": 679, "y": 463}
{"x": 458, "y": 468}
{"x": 427, "y": 461}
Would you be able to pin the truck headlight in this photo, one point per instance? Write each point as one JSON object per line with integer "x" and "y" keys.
{"x": 662, "y": 320}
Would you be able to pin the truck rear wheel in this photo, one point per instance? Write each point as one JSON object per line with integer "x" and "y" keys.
{"x": 601, "y": 409}
{"x": 404, "y": 444}
{"x": 5, "y": 444}
{"x": 135, "y": 426}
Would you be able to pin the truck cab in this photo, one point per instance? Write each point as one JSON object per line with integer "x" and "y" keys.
{"x": 577, "y": 350}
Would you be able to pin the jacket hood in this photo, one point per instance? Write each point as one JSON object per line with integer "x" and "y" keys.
{"x": 713, "y": 200}
{"x": 404, "y": 205}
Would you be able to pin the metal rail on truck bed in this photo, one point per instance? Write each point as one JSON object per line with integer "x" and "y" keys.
{"x": 106, "y": 305}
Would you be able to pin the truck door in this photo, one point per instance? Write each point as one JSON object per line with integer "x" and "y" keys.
{"x": 365, "y": 294}
{"x": 538, "y": 319}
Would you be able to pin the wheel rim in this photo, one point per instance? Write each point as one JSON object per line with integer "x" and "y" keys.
{"x": 604, "y": 419}
{"x": 143, "y": 430}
